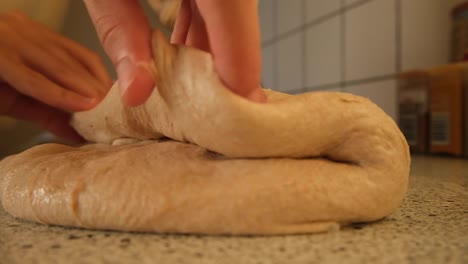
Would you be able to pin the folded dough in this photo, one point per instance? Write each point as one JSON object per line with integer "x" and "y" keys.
{"x": 208, "y": 161}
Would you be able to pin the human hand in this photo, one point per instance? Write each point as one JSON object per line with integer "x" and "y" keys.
{"x": 227, "y": 29}
{"x": 230, "y": 31}
{"x": 44, "y": 76}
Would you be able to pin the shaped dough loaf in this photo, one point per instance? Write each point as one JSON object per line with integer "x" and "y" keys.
{"x": 296, "y": 164}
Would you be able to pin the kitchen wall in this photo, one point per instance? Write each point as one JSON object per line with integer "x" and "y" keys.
{"x": 355, "y": 46}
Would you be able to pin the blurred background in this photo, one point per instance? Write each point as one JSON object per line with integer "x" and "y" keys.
{"x": 353, "y": 46}
{"x": 387, "y": 50}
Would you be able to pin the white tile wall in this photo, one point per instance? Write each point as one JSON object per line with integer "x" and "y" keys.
{"x": 290, "y": 15}
{"x": 382, "y": 93}
{"x": 425, "y": 33}
{"x": 318, "y": 8}
{"x": 352, "y": 56}
{"x": 335, "y": 89}
{"x": 323, "y": 53}
{"x": 352, "y": 2}
{"x": 267, "y": 21}
{"x": 268, "y": 62}
{"x": 370, "y": 40}
{"x": 289, "y": 63}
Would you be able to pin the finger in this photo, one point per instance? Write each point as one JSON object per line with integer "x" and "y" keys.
{"x": 35, "y": 85}
{"x": 197, "y": 35}
{"x": 19, "y": 106}
{"x": 90, "y": 66}
{"x": 234, "y": 40}
{"x": 90, "y": 60}
{"x": 47, "y": 50}
{"x": 63, "y": 70}
{"x": 126, "y": 36}
{"x": 181, "y": 28}
{"x": 135, "y": 82}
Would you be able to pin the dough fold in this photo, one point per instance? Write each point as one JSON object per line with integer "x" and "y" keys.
{"x": 208, "y": 161}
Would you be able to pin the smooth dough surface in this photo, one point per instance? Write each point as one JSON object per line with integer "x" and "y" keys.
{"x": 196, "y": 158}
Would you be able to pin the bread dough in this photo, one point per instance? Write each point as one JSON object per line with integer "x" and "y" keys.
{"x": 208, "y": 161}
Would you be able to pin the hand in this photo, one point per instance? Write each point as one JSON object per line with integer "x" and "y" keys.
{"x": 230, "y": 31}
{"x": 227, "y": 29}
{"x": 43, "y": 75}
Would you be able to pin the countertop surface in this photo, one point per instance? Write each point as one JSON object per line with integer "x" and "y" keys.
{"x": 430, "y": 227}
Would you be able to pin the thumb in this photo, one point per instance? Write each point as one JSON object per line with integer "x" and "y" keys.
{"x": 125, "y": 34}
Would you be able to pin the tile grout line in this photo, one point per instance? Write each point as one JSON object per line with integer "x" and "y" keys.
{"x": 398, "y": 36}
{"x": 275, "y": 47}
{"x": 300, "y": 28}
{"x": 345, "y": 11}
{"x": 342, "y": 83}
{"x": 373, "y": 79}
{"x": 357, "y": 4}
{"x": 342, "y": 46}
{"x": 304, "y": 48}
{"x": 398, "y": 49}
{"x": 324, "y": 86}
{"x": 312, "y": 23}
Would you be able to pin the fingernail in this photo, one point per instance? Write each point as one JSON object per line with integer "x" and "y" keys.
{"x": 142, "y": 86}
{"x": 149, "y": 68}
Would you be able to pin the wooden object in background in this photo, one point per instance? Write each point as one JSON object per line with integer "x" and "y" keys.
{"x": 460, "y": 32}
{"x": 446, "y": 108}
{"x": 413, "y": 103}
{"x": 465, "y": 118}
{"x": 433, "y": 109}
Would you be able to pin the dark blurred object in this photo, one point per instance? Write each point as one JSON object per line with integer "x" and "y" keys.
{"x": 460, "y": 32}
{"x": 447, "y": 89}
{"x": 433, "y": 109}
{"x": 15, "y": 135}
{"x": 413, "y": 98}
{"x": 465, "y": 114}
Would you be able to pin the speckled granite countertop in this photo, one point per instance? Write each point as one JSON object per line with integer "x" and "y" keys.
{"x": 430, "y": 227}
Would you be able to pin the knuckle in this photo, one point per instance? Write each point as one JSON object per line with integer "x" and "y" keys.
{"x": 109, "y": 29}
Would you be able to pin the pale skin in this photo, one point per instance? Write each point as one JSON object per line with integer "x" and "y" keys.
{"x": 229, "y": 30}
{"x": 44, "y": 76}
